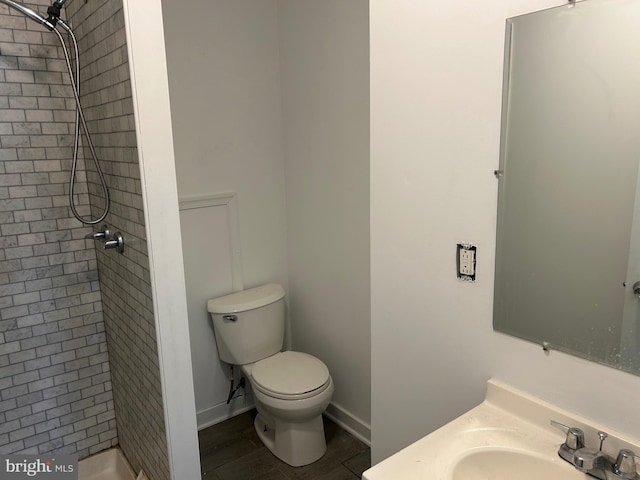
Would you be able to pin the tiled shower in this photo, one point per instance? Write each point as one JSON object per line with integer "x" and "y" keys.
{"x": 78, "y": 353}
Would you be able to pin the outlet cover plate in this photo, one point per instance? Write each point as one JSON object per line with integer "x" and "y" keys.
{"x": 466, "y": 256}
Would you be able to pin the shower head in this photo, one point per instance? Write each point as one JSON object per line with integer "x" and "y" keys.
{"x": 29, "y": 13}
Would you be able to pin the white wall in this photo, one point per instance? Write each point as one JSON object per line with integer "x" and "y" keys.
{"x": 325, "y": 87}
{"x": 224, "y": 79}
{"x": 436, "y": 80}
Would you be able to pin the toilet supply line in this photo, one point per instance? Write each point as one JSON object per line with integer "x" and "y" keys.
{"x": 232, "y": 390}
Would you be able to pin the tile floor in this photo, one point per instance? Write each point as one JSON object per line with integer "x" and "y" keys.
{"x": 231, "y": 450}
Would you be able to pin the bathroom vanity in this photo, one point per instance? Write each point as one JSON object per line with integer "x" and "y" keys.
{"x": 511, "y": 436}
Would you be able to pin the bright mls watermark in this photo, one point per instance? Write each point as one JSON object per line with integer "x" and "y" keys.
{"x": 38, "y": 467}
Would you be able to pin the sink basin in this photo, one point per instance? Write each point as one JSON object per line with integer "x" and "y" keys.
{"x": 497, "y": 464}
{"x": 506, "y": 437}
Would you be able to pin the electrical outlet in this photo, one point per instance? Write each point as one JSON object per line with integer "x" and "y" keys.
{"x": 466, "y": 261}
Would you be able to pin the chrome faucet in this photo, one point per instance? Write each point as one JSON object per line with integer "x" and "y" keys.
{"x": 110, "y": 240}
{"x": 595, "y": 462}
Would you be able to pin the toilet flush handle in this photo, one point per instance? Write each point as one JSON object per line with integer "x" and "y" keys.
{"x": 230, "y": 318}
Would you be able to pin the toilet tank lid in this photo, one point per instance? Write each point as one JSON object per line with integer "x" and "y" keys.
{"x": 246, "y": 299}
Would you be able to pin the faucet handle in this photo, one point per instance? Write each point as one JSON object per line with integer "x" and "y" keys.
{"x": 625, "y": 466}
{"x": 575, "y": 436}
{"x": 103, "y": 234}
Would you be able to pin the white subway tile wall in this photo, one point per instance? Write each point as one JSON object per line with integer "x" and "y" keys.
{"x": 124, "y": 279}
{"x": 55, "y": 385}
{"x": 56, "y": 389}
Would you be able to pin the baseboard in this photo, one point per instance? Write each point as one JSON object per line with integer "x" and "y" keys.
{"x": 349, "y": 422}
{"x": 221, "y": 412}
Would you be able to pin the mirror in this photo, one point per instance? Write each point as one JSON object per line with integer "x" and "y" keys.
{"x": 568, "y": 238}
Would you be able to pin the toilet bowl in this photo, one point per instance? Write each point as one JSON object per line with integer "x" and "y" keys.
{"x": 291, "y": 389}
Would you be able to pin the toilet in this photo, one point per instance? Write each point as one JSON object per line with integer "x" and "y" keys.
{"x": 291, "y": 389}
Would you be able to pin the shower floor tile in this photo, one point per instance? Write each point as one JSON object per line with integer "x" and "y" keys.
{"x": 231, "y": 450}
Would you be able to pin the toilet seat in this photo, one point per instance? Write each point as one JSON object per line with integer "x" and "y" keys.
{"x": 290, "y": 375}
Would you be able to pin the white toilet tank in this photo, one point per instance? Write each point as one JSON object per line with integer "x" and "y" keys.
{"x": 249, "y": 325}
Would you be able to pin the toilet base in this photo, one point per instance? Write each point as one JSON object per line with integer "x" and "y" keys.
{"x": 297, "y": 444}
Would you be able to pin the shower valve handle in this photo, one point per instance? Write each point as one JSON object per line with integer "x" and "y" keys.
{"x": 116, "y": 242}
{"x": 104, "y": 234}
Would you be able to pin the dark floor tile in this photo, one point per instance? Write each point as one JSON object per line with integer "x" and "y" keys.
{"x": 257, "y": 465}
{"x": 338, "y": 473}
{"x": 210, "y": 476}
{"x": 359, "y": 463}
{"x": 218, "y": 456}
{"x": 226, "y": 432}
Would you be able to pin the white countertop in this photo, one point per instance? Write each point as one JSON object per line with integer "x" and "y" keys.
{"x": 507, "y": 421}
